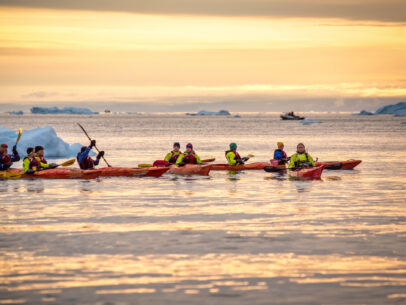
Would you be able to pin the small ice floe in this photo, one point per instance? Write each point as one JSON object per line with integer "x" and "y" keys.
{"x": 65, "y": 110}
{"x": 308, "y": 122}
{"x": 403, "y": 123}
{"x": 20, "y": 112}
{"x": 54, "y": 146}
{"x": 204, "y": 112}
{"x": 363, "y": 112}
{"x": 398, "y": 109}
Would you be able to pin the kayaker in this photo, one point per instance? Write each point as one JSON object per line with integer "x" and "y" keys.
{"x": 173, "y": 156}
{"x": 39, "y": 153}
{"x": 280, "y": 154}
{"x": 233, "y": 157}
{"x": 84, "y": 161}
{"x": 31, "y": 163}
{"x": 188, "y": 157}
{"x": 301, "y": 158}
{"x": 5, "y": 159}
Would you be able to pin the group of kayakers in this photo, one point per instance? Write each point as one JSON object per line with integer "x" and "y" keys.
{"x": 35, "y": 157}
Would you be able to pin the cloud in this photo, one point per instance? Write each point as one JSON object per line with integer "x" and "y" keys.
{"x": 379, "y": 10}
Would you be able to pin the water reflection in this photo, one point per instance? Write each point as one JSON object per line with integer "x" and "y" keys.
{"x": 34, "y": 185}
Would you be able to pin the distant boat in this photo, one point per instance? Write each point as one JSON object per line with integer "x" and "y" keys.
{"x": 291, "y": 116}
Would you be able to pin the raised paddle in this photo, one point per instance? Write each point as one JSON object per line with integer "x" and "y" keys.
{"x": 95, "y": 145}
{"x": 203, "y": 161}
{"x": 19, "y": 135}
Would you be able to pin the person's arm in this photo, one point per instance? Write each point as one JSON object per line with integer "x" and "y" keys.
{"x": 26, "y": 165}
{"x": 180, "y": 159}
{"x": 231, "y": 158}
{"x": 292, "y": 161}
{"x": 15, "y": 157}
{"x": 100, "y": 155}
{"x": 83, "y": 155}
{"x": 168, "y": 157}
{"x": 311, "y": 160}
{"x": 198, "y": 159}
{"x": 43, "y": 165}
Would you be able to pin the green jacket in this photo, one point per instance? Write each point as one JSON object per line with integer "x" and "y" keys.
{"x": 297, "y": 160}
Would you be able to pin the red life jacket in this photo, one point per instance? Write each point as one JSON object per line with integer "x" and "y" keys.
{"x": 87, "y": 163}
{"x": 237, "y": 155}
{"x": 43, "y": 160}
{"x": 5, "y": 159}
{"x": 189, "y": 158}
{"x": 174, "y": 157}
{"x": 33, "y": 162}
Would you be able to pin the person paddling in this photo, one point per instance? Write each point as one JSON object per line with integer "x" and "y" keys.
{"x": 31, "y": 164}
{"x": 39, "y": 153}
{"x": 279, "y": 154}
{"x": 188, "y": 157}
{"x": 6, "y": 161}
{"x": 173, "y": 156}
{"x": 301, "y": 158}
{"x": 83, "y": 158}
{"x": 233, "y": 157}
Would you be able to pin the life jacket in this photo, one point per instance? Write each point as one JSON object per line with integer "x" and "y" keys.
{"x": 282, "y": 151}
{"x": 33, "y": 162}
{"x": 5, "y": 159}
{"x": 87, "y": 162}
{"x": 299, "y": 162}
{"x": 189, "y": 158}
{"x": 161, "y": 163}
{"x": 174, "y": 157}
{"x": 42, "y": 160}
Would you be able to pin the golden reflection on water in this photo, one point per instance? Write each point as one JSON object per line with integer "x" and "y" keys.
{"x": 26, "y": 271}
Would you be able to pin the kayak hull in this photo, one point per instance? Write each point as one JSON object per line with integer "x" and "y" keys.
{"x": 334, "y": 165}
{"x": 133, "y": 172}
{"x": 190, "y": 169}
{"x": 307, "y": 173}
{"x": 250, "y": 166}
{"x": 59, "y": 173}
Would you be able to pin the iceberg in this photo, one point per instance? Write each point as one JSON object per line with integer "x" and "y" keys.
{"x": 16, "y": 112}
{"x": 204, "y": 112}
{"x": 398, "y": 109}
{"x": 363, "y": 112}
{"x": 54, "y": 147}
{"x": 65, "y": 110}
{"x": 308, "y": 122}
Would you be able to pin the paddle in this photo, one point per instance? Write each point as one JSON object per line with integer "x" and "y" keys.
{"x": 68, "y": 163}
{"x": 11, "y": 175}
{"x": 19, "y": 136}
{"x": 203, "y": 161}
{"x": 95, "y": 145}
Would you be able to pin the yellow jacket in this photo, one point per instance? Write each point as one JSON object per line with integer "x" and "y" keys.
{"x": 182, "y": 156}
{"x": 27, "y": 162}
{"x": 298, "y": 159}
{"x": 169, "y": 155}
{"x": 231, "y": 158}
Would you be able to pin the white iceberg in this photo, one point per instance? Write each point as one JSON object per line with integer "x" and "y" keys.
{"x": 65, "y": 110}
{"x": 54, "y": 147}
{"x": 308, "y": 122}
{"x": 363, "y": 112}
{"x": 204, "y": 112}
{"x": 398, "y": 109}
{"x": 20, "y": 112}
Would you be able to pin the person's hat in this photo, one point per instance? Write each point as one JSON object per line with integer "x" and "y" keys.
{"x": 233, "y": 146}
{"x": 280, "y": 144}
{"x": 176, "y": 144}
{"x": 189, "y": 145}
{"x": 4, "y": 145}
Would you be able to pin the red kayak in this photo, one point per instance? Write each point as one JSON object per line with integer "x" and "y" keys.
{"x": 190, "y": 169}
{"x": 349, "y": 164}
{"x": 249, "y": 166}
{"x": 133, "y": 172}
{"x": 307, "y": 173}
{"x": 60, "y": 173}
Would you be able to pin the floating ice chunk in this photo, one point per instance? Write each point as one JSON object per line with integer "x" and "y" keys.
{"x": 308, "y": 122}
{"x": 65, "y": 110}
{"x": 363, "y": 112}
{"x": 204, "y": 112}
{"x": 20, "y": 112}
{"x": 398, "y": 109}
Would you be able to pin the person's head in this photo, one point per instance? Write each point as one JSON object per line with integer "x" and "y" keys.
{"x": 189, "y": 147}
{"x": 30, "y": 150}
{"x": 280, "y": 145}
{"x": 3, "y": 148}
{"x": 176, "y": 146}
{"x": 39, "y": 150}
{"x": 83, "y": 149}
{"x": 233, "y": 146}
{"x": 300, "y": 148}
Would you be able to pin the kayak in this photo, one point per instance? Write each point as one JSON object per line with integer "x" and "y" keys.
{"x": 307, "y": 173}
{"x": 250, "y": 166}
{"x": 190, "y": 169}
{"x": 275, "y": 168}
{"x": 349, "y": 164}
{"x": 58, "y": 173}
{"x": 133, "y": 172}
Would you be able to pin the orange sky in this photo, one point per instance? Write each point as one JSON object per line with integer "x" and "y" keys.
{"x": 61, "y": 56}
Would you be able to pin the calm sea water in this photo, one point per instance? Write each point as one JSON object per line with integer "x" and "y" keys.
{"x": 230, "y": 238}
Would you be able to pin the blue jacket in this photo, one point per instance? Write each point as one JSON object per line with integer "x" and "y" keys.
{"x": 277, "y": 155}
{"x": 82, "y": 156}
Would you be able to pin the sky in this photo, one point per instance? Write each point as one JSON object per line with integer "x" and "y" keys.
{"x": 185, "y": 55}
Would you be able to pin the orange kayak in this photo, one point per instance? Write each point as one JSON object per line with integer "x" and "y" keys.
{"x": 190, "y": 169}
{"x": 60, "y": 173}
{"x": 307, "y": 173}
{"x": 249, "y": 166}
{"x": 133, "y": 172}
{"x": 349, "y": 164}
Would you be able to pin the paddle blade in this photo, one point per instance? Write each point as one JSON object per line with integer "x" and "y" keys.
{"x": 208, "y": 160}
{"x": 12, "y": 175}
{"x": 69, "y": 162}
{"x": 19, "y": 135}
{"x": 250, "y": 156}
{"x": 145, "y": 165}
